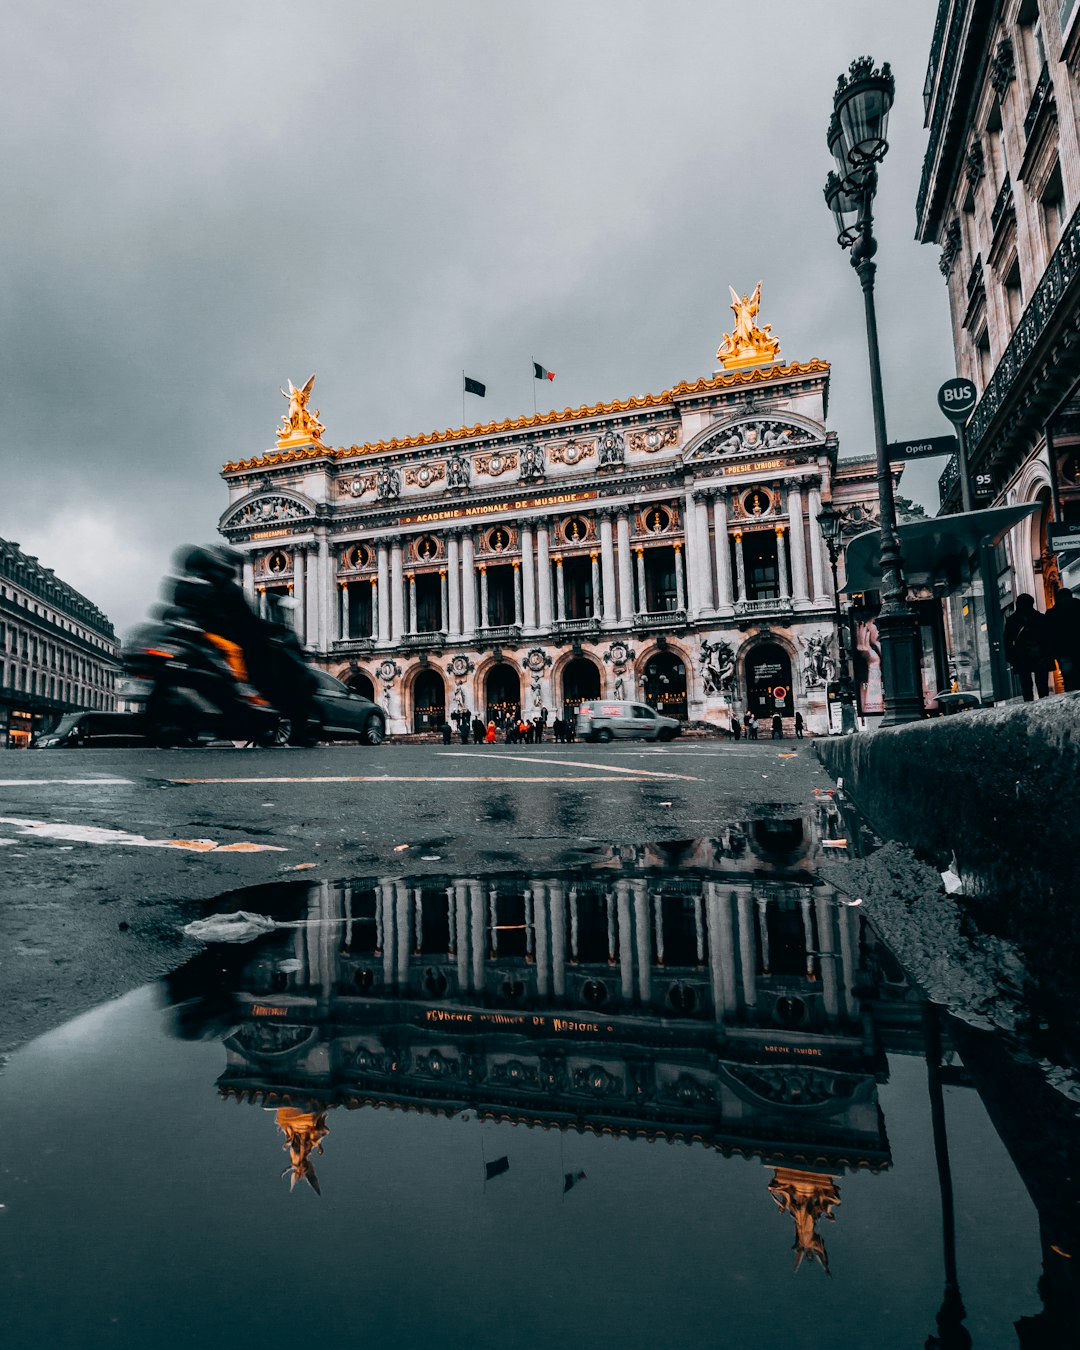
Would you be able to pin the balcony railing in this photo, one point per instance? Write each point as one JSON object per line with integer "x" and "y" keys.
{"x": 565, "y": 627}
{"x": 1042, "y": 310}
{"x": 668, "y": 618}
{"x": 1004, "y": 203}
{"x": 420, "y": 641}
{"x": 975, "y": 276}
{"x": 1039, "y": 99}
{"x": 508, "y": 632}
{"x": 775, "y": 605}
{"x": 354, "y": 644}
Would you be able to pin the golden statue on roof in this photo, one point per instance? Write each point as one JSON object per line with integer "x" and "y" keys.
{"x": 299, "y": 426}
{"x": 747, "y": 344}
{"x": 807, "y": 1197}
{"x": 304, "y": 1132}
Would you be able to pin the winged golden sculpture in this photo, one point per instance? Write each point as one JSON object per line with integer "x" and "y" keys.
{"x": 299, "y": 425}
{"x": 747, "y": 344}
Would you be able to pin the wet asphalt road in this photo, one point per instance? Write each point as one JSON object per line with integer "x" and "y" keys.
{"x": 107, "y": 853}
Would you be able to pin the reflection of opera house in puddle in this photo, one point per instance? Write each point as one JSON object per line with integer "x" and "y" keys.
{"x": 706, "y": 1005}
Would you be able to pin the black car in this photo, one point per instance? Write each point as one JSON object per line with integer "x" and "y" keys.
{"x": 341, "y": 714}
{"x": 93, "y": 728}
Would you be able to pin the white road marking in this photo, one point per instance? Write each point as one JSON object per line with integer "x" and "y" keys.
{"x": 437, "y": 778}
{"x": 571, "y": 764}
{"x": 94, "y": 834}
{"x": 67, "y": 782}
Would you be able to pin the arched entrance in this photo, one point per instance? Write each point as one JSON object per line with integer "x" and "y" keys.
{"x": 580, "y": 682}
{"x": 361, "y": 684}
{"x": 664, "y": 682}
{"x": 429, "y": 701}
{"x": 502, "y": 693}
{"x": 767, "y": 668}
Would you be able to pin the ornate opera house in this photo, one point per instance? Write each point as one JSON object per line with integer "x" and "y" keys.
{"x": 663, "y": 548}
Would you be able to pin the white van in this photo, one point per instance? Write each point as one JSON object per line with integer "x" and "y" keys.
{"x": 605, "y": 719}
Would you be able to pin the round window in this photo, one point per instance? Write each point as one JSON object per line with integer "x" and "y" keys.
{"x": 657, "y": 519}
{"x": 499, "y": 540}
{"x": 357, "y": 556}
{"x": 277, "y": 562}
{"x": 575, "y": 530}
{"x": 427, "y": 547}
{"x": 757, "y": 502}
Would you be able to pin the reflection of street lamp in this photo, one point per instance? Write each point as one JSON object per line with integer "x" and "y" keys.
{"x": 830, "y": 522}
{"x": 857, "y": 141}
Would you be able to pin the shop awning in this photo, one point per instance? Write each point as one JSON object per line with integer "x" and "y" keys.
{"x": 928, "y": 544}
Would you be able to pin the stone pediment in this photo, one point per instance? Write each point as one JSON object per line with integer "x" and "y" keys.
{"x": 277, "y": 508}
{"x": 755, "y": 436}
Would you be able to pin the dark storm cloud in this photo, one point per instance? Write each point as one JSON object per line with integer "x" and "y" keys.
{"x": 202, "y": 201}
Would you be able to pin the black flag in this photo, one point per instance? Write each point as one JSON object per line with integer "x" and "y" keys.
{"x": 475, "y": 387}
{"x": 497, "y": 1168}
{"x": 571, "y": 1179}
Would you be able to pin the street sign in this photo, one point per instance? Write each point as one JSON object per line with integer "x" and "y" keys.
{"x": 929, "y": 445}
{"x": 982, "y": 484}
{"x": 957, "y": 399}
{"x": 1061, "y": 537}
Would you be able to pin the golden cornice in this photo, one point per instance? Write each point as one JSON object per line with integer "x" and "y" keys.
{"x": 727, "y": 380}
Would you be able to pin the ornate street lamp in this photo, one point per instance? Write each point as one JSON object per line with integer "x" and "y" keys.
{"x": 857, "y": 142}
{"x": 830, "y": 521}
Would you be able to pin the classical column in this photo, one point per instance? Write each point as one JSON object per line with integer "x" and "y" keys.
{"x": 263, "y": 607}
{"x": 642, "y": 593}
{"x": 716, "y": 964}
{"x": 410, "y": 618}
{"x": 607, "y": 556}
{"x": 468, "y": 586}
{"x": 484, "y": 612}
{"x": 326, "y": 586}
{"x": 560, "y": 594}
{"x": 626, "y": 950}
{"x": 727, "y": 949}
{"x": 849, "y": 946}
{"x": 453, "y": 567}
{"x": 543, "y": 969}
{"x": 594, "y": 558}
{"x": 641, "y": 932}
{"x": 248, "y": 571}
{"x": 517, "y": 592}
{"x": 344, "y": 611}
{"x": 818, "y": 570}
{"x": 476, "y": 911}
{"x": 300, "y": 592}
{"x": 443, "y": 600}
{"x": 740, "y": 565}
{"x": 404, "y": 932}
{"x": 747, "y": 951}
{"x": 626, "y": 567}
{"x": 680, "y": 585}
{"x": 722, "y": 548}
{"x": 397, "y": 592}
{"x": 528, "y": 578}
{"x": 700, "y": 556}
{"x": 797, "y": 544}
{"x": 543, "y": 570}
{"x": 824, "y": 912}
{"x": 386, "y": 914}
{"x": 781, "y": 563}
{"x": 557, "y": 909}
{"x": 316, "y": 632}
{"x": 384, "y": 593}
{"x": 461, "y": 910}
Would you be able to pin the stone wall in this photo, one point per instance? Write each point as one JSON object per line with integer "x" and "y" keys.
{"x": 998, "y": 788}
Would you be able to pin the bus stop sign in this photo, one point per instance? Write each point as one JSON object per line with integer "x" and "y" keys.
{"x": 957, "y": 399}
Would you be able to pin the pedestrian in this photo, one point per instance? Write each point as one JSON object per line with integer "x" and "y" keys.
{"x": 736, "y": 729}
{"x": 777, "y": 727}
{"x": 463, "y": 727}
{"x": 447, "y": 732}
{"x": 492, "y": 733}
{"x": 538, "y": 723}
{"x": 752, "y": 727}
{"x": 1026, "y": 647}
{"x": 479, "y": 731}
{"x": 800, "y": 726}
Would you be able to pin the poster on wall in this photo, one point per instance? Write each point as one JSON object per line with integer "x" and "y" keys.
{"x": 868, "y": 666}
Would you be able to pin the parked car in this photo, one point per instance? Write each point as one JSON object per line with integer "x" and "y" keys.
{"x": 93, "y": 728}
{"x": 608, "y": 718}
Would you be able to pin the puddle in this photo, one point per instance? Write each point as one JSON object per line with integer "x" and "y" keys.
{"x": 435, "y": 1107}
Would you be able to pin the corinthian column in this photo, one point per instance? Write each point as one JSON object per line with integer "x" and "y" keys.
{"x": 484, "y": 612}
{"x": 528, "y": 578}
{"x": 607, "y": 559}
{"x": 410, "y": 618}
{"x": 560, "y": 592}
{"x": 781, "y": 563}
{"x": 700, "y": 556}
{"x": 453, "y": 566}
{"x": 325, "y": 586}
{"x": 740, "y": 565}
{"x": 723, "y": 553}
{"x": 397, "y": 593}
{"x": 689, "y": 601}
{"x": 517, "y": 592}
{"x": 384, "y": 593}
{"x": 543, "y": 578}
{"x": 444, "y": 606}
{"x": 344, "y": 611}
{"x": 300, "y": 593}
{"x": 817, "y": 571}
{"x": 680, "y": 585}
{"x": 798, "y": 546}
{"x": 642, "y": 593}
{"x": 626, "y": 568}
{"x": 468, "y": 587}
{"x": 595, "y": 585}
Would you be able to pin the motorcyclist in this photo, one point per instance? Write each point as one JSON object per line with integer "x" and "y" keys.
{"x": 288, "y": 681}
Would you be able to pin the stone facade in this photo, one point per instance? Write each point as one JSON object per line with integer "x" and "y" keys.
{"x": 58, "y": 652}
{"x": 1000, "y": 194}
{"x": 662, "y": 548}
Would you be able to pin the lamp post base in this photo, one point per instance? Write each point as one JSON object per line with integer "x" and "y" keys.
{"x": 901, "y": 672}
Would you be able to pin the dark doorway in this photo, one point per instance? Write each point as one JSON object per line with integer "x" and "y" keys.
{"x": 661, "y": 590}
{"x": 502, "y": 690}
{"x": 768, "y": 681}
{"x": 429, "y": 701}
{"x": 360, "y": 684}
{"x": 580, "y": 681}
{"x": 428, "y": 602}
{"x": 361, "y": 621}
{"x": 500, "y": 590}
{"x": 762, "y": 574}
{"x": 664, "y": 681}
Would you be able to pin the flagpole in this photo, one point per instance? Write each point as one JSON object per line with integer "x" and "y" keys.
{"x": 463, "y": 396}
{"x": 534, "y": 388}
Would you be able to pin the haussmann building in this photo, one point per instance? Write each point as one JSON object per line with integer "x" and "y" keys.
{"x": 661, "y": 548}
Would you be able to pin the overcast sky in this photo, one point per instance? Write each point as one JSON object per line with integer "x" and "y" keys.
{"x": 203, "y": 200}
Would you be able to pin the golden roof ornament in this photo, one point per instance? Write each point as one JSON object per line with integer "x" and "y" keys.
{"x": 298, "y": 425}
{"x": 304, "y": 1132}
{"x": 808, "y": 1197}
{"x": 747, "y": 344}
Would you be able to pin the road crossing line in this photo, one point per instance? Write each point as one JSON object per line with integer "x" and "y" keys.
{"x": 432, "y": 778}
{"x": 570, "y": 763}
